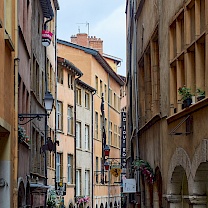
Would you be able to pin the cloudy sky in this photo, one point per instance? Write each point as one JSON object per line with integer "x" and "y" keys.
{"x": 106, "y": 20}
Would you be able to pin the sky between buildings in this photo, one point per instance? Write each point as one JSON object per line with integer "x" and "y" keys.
{"x": 104, "y": 19}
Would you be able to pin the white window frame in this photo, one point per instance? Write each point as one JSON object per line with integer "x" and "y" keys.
{"x": 87, "y": 137}
{"x": 78, "y": 134}
{"x": 70, "y": 119}
{"x": 87, "y": 100}
{"x": 87, "y": 182}
{"x": 69, "y": 169}
{"x": 78, "y": 182}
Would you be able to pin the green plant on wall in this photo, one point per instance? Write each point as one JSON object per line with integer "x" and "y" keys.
{"x": 200, "y": 92}
{"x": 185, "y": 93}
{"x": 145, "y": 169}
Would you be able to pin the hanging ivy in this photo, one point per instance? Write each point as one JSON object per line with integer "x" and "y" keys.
{"x": 145, "y": 169}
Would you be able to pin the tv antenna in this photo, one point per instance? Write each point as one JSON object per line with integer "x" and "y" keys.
{"x": 86, "y": 24}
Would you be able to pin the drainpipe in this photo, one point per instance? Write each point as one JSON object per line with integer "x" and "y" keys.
{"x": 46, "y": 119}
{"x": 108, "y": 137}
{"x": 56, "y": 78}
{"x": 15, "y": 140}
{"x": 92, "y": 146}
{"x": 75, "y": 142}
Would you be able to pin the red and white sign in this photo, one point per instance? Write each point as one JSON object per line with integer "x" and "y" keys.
{"x": 46, "y": 37}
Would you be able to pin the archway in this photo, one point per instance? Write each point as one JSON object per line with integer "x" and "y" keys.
{"x": 115, "y": 204}
{"x": 200, "y": 180}
{"x": 179, "y": 187}
{"x": 21, "y": 195}
{"x": 158, "y": 188}
{"x": 101, "y": 205}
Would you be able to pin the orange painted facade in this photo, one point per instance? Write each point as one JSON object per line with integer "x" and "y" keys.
{"x": 98, "y": 74}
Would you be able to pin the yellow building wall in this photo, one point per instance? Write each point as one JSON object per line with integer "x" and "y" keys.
{"x": 91, "y": 68}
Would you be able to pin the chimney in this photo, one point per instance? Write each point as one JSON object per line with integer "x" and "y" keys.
{"x": 96, "y": 43}
{"x": 91, "y": 41}
{"x": 80, "y": 39}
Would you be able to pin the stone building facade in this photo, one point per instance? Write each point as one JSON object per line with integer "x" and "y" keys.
{"x": 167, "y": 140}
{"x": 8, "y": 103}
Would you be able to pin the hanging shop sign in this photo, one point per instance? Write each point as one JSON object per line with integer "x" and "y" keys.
{"x": 115, "y": 170}
{"x": 123, "y": 141}
{"x": 46, "y": 37}
{"x": 129, "y": 185}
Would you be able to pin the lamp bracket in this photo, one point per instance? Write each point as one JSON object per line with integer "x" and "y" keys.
{"x": 31, "y": 117}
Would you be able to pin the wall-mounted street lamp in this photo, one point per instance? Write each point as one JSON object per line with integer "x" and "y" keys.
{"x": 48, "y": 103}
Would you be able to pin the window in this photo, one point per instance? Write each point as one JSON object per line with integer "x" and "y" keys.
{"x": 78, "y": 134}
{"x": 188, "y": 55}
{"x": 59, "y": 116}
{"x": 78, "y": 182}
{"x": 87, "y": 100}
{"x": 96, "y": 177}
{"x": 78, "y": 96}
{"x": 70, "y": 120}
{"x": 60, "y": 75}
{"x": 101, "y": 88}
{"x": 87, "y": 137}
{"x": 59, "y": 167}
{"x": 8, "y": 16}
{"x": 115, "y": 135}
{"x": 110, "y": 135}
{"x": 70, "y": 169}
{"x": 101, "y": 127}
{"x": 115, "y": 103}
{"x": 96, "y": 125}
{"x": 70, "y": 81}
{"x": 96, "y": 84}
{"x": 110, "y": 96}
{"x": 87, "y": 182}
{"x": 37, "y": 80}
{"x": 105, "y": 89}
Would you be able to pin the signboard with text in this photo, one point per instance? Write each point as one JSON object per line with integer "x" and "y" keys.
{"x": 123, "y": 141}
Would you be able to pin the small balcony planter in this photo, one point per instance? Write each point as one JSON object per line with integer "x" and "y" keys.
{"x": 200, "y": 94}
{"x": 186, "y": 96}
{"x": 22, "y": 137}
{"x": 145, "y": 169}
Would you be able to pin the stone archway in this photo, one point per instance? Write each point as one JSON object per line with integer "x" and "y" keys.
{"x": 21, "y": 195}
{"x": 177, "y": 185}
{"x": 157, "y": 189}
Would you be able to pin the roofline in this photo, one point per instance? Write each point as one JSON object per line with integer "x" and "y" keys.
{"x": 119, "y": 60}
{"x": 67, "y": 63}
{"x": 97, "y": 56}
{"x": 47, "y": 8}
{"x": 85, "y": 85}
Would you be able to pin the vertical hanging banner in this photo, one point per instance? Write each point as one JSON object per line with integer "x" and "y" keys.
{"x": 123, "y": 141}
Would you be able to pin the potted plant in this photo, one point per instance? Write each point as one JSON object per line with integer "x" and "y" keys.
{"x": 186, "y": 96}
{"x": 200, "y": 94}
